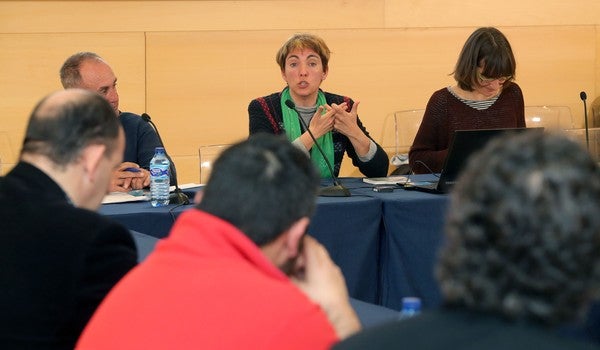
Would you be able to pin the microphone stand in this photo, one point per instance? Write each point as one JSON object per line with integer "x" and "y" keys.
{"x": 583, "y": 97}
{"x": 177, "y": 197}
{"x": 337, "y": 190}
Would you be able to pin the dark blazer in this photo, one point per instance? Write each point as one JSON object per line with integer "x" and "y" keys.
{"x": 460, "y": 330}
{"x": 57, "y": 262}
{"x": 272, "y": 123}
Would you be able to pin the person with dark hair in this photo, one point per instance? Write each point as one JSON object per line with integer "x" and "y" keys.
{"x": 332, "y": 119}
{"x": 238, "y": 271}
{"x": 485, "y": 97}
{"x": 87, "y": 70}
{"x": 522, "y": 251}
{"x": 58, "y": 257}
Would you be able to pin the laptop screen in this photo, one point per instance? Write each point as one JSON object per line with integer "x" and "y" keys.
{"x": 463, "y": 145}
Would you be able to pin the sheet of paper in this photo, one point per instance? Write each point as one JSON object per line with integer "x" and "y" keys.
{"x": 388, "y": 180}
{"x": 136, "y": 196}
{"x": 124, "y": 197}
{"x": 185, "y": 186}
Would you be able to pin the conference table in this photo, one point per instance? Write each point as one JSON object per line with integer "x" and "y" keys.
{"x": 384, "y": 243}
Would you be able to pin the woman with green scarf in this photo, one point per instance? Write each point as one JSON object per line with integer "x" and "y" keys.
{"x": 331, "y": 118}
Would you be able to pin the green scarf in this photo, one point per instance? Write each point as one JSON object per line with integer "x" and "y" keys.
{"x": 293, "y": 131}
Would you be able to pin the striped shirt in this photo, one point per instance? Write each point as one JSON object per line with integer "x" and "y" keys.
{"x": 479, "y": 105}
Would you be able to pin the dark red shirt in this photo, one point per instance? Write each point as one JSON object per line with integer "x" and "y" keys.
{"x": 445, "y": 113}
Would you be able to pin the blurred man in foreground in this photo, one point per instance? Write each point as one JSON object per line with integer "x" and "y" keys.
{"x": 522, "y": 254}
{"x": 58, "y": 258}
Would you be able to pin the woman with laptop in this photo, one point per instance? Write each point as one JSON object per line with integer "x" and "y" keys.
{"x": 484, "y": 97}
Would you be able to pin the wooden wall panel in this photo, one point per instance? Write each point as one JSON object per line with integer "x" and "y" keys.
{"x": 554, "y": 64}
{"x": 118, "y": 16}
{"x": 121, "y": 16}
{"x": 596, "y": 95}
{"x": 475, "y": 13}
{"x": 200, "y": 84}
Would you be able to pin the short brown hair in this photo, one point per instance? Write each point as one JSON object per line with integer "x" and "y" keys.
{"x": 70, "y": 77}
{"x": 304, "y": 41}
{"x": 489, "y": 49}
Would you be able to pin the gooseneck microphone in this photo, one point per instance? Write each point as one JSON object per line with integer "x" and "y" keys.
{"x": 177, "y": 197}
{"x": 337, "y": 190}
{"x": 583, "y": 97}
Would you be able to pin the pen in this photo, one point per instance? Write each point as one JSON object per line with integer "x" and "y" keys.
{"x": 133, "y": 170}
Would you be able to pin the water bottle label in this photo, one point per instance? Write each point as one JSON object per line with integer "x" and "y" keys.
{"x": 159, "y": 172}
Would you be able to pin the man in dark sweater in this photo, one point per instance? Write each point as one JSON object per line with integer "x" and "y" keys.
{"x": 87, "y": 70}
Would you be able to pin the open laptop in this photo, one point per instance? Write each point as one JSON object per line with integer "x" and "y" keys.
{"x": 464, "y": 144}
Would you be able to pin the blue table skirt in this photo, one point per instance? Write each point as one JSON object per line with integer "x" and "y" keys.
{"x": 385, "y": 243}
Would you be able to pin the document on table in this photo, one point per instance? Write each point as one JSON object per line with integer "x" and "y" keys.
{"x": 388, "y": 180}
{"x": 124, "y": 197}
{"x": 138, "y": 195}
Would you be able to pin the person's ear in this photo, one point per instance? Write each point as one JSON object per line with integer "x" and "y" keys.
{"x": 294, "y": 236}
{"x": 198, "y": 197}
{"x": 283, "y": 75}
{"x": 91, "y": 156}
{"x": 325, "y": 72}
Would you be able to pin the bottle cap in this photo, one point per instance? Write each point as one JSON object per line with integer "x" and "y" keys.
{"x": 411, "y": 303}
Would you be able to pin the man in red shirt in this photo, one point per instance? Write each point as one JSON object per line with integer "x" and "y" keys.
{"x": 237, "y": 271}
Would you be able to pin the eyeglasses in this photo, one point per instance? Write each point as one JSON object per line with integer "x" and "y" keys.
{"x": 484, "y": 81}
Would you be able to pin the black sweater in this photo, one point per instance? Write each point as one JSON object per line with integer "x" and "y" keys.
{"x": 260, "y": 121}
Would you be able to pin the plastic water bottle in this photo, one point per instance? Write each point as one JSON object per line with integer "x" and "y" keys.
{"x": 411, "y": 306}
{"x": 159, "y": 178}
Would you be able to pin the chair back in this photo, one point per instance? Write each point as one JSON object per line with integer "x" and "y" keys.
{"x": 589, "y": 140}
{"x": 399, "y": 130}
{"x": 208, "y": 154}
{"x": 594, "y": 118}
{"x": 549, "y": 117}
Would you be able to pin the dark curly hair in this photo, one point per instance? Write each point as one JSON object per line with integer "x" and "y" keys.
{"x": 523, "y": 230}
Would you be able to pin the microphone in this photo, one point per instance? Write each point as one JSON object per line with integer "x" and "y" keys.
{"x": 337, "y": 190}
{"x": 583, "y": 97}
{"x": 177, "y": 197}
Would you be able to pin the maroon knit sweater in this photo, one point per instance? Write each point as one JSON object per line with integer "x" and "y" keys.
{"x": 445, "y": 113}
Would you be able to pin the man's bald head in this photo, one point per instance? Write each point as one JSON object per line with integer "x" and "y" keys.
{"x": 70, "y": 76}
{"x": 87, "y": 70}
{"x": 65, "y": 122}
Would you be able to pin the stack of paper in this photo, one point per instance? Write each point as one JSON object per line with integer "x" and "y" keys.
{"x": 388, "y": 180}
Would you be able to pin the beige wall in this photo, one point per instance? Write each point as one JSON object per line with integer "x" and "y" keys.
{"x": 195, "y": 65}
